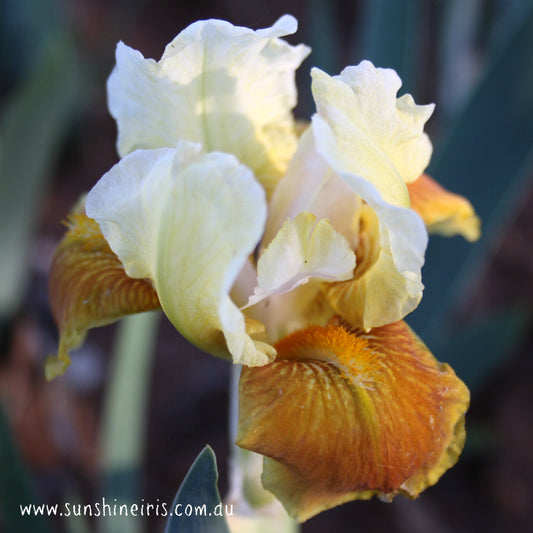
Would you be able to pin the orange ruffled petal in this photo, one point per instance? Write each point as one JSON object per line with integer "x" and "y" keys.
{"x": 89, "y": 288}
{"x": 443, "y": 212}
{"x": 343, "y": 415}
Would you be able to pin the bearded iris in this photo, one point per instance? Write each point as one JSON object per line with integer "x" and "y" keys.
{"x": 297, "y": 257}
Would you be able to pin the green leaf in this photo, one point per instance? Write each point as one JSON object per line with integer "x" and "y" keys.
{"x": 33, "y": 124}
{"x": 15, "y": 488}
{"x": 323, "y": 36}
{"x": 459, "y": 30}
{"x": 199, "y": 490}
{"x": 488, "y": 157}
{"x": 478, "y": 350}
{"x": 25, "y": 27}
{"x": 392, "y": 37}
{"x": 125, "y": 414}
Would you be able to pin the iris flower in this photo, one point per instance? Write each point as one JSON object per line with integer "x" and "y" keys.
{"x": 296, "y": 256}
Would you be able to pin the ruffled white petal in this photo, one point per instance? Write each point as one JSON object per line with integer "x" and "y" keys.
{"x": 374, "y": 134}
{"x": 395, "y": 281}
{"x": 188, "y": 222}
{"x": 229, "y": 88}
{"x": 392, "y": 287}
{"x": 304, "y": 248}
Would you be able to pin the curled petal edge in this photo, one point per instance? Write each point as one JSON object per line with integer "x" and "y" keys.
{"x": 187, "y": 221}
{"x": 304, "y": 248}
{"x": 343, "y": 415}
{"x": 443, "y": 212}
{"x": 89, "y": 288}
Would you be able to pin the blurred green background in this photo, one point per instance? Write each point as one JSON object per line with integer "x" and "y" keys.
{"x": 135, "y": 409}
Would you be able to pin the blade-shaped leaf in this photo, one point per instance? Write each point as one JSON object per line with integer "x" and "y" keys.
{"x": 488, "y": 157}
{"x": 478, "y": 349}
{"x": 199, "y": 491}
{"x": 15, "y": 488}
{"x": 392, "y": 36}
{"x": 33, "y": 124}
{"x": 323, "y": 31}
{"x": 25, "y": 27}
{"x": 125, "y": 416}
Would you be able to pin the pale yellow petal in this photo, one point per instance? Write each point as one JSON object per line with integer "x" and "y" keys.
{"x": 363, "y": 129}
{"x": 303, "y": 249}
{"x": 391, "y": 287}
{"x": 311, "y": 185}
{"x": 382, "y": 290}
{"x": 285, "y": 313}
{"x": 188, "y": 222}
{"x": 229, "y": 88}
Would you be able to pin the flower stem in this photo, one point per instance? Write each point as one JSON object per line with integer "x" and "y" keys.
{"x": 124, "y": 417}
{"x": 256, "y": 510}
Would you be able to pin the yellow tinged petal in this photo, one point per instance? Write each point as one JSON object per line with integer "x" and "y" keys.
{"x": 342, "y": 415}
{"x": 89, "y": 288}
{"x": 310, "y": 186}
{"x": 381, "y": 291}
{"x": 392, "y": 285}
{"x": 354, "y": 298}
{"x": 229, "y": 88}
{"x": 304, "y": 248}
{"x": 363, "y": 129}
{"x": 443, "y": 212}
{"x": 187, "y": 221}
{"x": 285, "y": 313}
{"x": 297, "y": 494}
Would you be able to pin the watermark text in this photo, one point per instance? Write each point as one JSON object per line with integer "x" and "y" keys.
{"x": 107, "y": 508}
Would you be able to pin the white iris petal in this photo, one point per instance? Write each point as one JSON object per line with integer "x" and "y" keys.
{"x": 188, "y": 222}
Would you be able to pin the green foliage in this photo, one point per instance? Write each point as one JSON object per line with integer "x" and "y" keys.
{"x": 125, "y": 416}
{"x": 27, "y": 27}
{"x": 32, "y": 127}
{"x": 392, "y": 36}
{"x": 15, "y": 487}
{"x": 323, "y": 21}
{"x": 199, "y": 489}
{"x": 487, "y": 156}
{"x": 477, "y": 351}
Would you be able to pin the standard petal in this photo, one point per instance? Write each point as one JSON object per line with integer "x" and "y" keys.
{"x": 304, "y": 248}
{"x": 310, "y": 185}
{"x": 89, "y": 288}
{"x": 188, "y": 222}
{"x": 372, "y": 134}
{"x": 392, "y": 254}
{"x": 376, "y": 144}
{"x": 227, "y": 87}
{"x": 443, "y": 212}
{"x": 349, "y": 415}
{"x": 386, "y": 285}
{"x": 389, "y": 241}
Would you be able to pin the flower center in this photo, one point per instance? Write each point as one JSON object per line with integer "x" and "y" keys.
{"x": 353, "y": 356}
